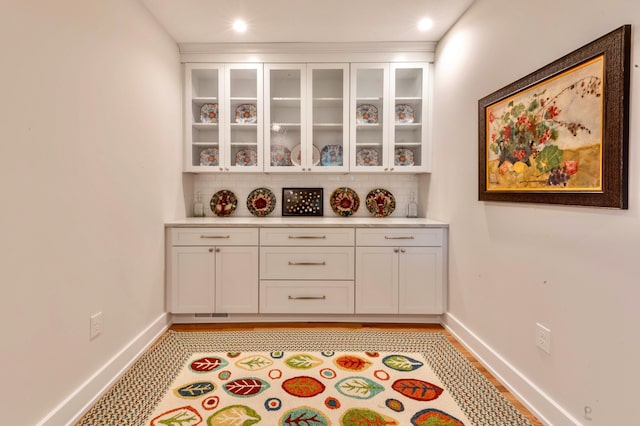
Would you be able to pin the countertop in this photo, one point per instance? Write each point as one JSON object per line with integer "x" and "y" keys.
{"x": 305, "y": 221}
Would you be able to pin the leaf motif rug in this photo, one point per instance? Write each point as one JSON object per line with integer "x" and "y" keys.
{"x": 303, "y": 378}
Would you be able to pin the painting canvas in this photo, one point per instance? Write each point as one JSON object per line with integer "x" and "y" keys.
{"x": 560, "y": 135}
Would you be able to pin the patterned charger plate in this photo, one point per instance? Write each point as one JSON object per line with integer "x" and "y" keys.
{"x": 366, "y": 114}
{"x": 344, "y": 201}
{"x": 404, "y": 157}
{"x": 247, "y": 157}
{"x": 331, "y": 155}
{"x": 246, "y": 113}
{"x": 380, "y": 202}
{"x": 280, "y": 155}
{"x": 209, "y": 157}
{"x": 367, "y": 157}
{"x": 224, "y": 203}
{"x": 209, "y": 113}
{"x": 261, "y": 202}
{"x": 404, "y": 113}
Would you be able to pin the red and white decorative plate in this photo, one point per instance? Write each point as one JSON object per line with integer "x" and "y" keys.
{"x": 261, "y": 202}
{"x": 380, "y": 202}
{"x": 224, "y": 203}
{"x": 344, "y": 201}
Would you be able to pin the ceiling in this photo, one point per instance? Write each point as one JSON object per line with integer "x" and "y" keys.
{"x": 312, "y": 21}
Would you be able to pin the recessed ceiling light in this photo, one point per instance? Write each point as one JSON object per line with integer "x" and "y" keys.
{"x": 425, "y": 24}
{"x": 240, "y": 26}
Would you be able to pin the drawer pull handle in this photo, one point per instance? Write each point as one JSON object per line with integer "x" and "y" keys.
{"x": 307, "y": 237}
{"x": 411, "y": 237}
{"x": 307, "y": 297}
{"x": 307, "y": 263}
{"x": 215, "y": 236}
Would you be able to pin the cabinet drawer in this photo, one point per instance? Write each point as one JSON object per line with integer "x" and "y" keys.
{"x": 307, "y": 236}
{"x": 214, "y": 236}
{"x": 408, "y": 237}
{"x": 316, "y": 297}
{"x": 306, "y": 263}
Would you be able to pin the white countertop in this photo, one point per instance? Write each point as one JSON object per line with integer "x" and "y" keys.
{"x": 305, "y": 221}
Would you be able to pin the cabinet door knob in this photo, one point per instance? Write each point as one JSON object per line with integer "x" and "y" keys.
{"x": 210, "y": 250}
{"x": 402, "y": 250}
{"x": 396, "y": 250}
{"x": 217, "y": 250}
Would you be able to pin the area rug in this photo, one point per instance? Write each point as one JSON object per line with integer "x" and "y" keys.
{"x": 303, "y": 378}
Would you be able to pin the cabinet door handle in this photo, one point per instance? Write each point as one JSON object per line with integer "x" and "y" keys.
{"x": 307, "y": 237}
{"x": 210, "y": 250}
{"x": 411, "y": 237}
{"x": 215, "y": 236}
{"x": 402, "y": 250}
{"x": 396, "y": 250}
{"x": 307, "y": 297}
{"x": 307, "y": 263}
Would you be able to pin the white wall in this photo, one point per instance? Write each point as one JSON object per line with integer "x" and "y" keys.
{"x": 572, "y": 269}
{"x": 90, "y": 124}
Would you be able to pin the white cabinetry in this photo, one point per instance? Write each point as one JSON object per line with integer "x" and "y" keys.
{"x": 306, "y": 270}
{"x": 306, "y": 116}
{"x": 389, "y": 121}
{"x": 399, "y": 271}
{"x": 213, "y": 270}
{"x": 229, "y": 137}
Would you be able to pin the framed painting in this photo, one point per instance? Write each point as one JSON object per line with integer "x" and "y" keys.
{"x": 561, "y": 134}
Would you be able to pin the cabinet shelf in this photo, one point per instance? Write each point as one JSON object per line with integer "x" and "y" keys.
{"x": 409, "y": 125}
{"x": 243, "y": 143}
{"x": 408, "y": 143}
{"x": 408, "y": 99}
{"x": 286, "y": 124}
{"x": 247, "y": 125}
{"x": 204, "y": 126}
{"x": 243, "y": 99}
{"x": 204, "y": 99}
{"x": 328, "y": 125}
{"x": 204, "y": 143}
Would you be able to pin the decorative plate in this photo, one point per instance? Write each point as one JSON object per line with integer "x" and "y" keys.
{"x": 344, "y": 201}
{"x": 404, "y": 157}
{"x": 246, "y": 113}
{"x": 367, "y": 157}
{"x": 280, "y": 155}
{"x": 247, "y": 157}
{"x": 209, "y": 113}
{"x": 380, "y": 202}
{"x": 209, "y": 157}
{"x": 261, "y": 202}
{"x": 331, "y": 155}
{"x": 223, "y": 203}
{"x": 366, "y": 114}
{"x": 404, "y": 113}
{"x": 296, "y": 155}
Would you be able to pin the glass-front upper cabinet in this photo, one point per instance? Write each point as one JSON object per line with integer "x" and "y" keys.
{"x": 409, "y": 92}
{"x": 389, "y": 103}
{"x": 327, "y": 149}
{"x": 204, "y": 86}
{"x": 285, "y": 115}
{"x": 223, "y": 123}
{"x": 369, "y": 109}
{"x": 244, "y": 118}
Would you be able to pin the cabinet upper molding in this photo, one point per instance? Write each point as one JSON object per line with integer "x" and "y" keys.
{"x": 308, "y": 52}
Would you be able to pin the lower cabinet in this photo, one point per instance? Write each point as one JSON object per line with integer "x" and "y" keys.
{"x": 213, "y": 278}
{"x": 394, "y": 276}
{"x": 277, "y": 270}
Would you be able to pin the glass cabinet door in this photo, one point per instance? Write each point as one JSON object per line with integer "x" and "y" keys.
{"x": 327, "y": 148}
{"x": 243, "y": 118}
{"x": 409, "y": 92}
{"x": 369, "y": 105}
{"x": 285, "y": 148}
{"x": 203, "y": 135}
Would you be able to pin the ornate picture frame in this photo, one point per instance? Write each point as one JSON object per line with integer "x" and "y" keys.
{"x": 560, "y": 135}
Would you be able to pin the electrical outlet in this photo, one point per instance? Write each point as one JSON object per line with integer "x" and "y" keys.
{"x": 543, "y": 338}
{"x": 95, "y": 325}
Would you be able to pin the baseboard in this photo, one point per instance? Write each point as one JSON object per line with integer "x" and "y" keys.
{"x": 524, "y": 389}
{"x": 73, "y": 407}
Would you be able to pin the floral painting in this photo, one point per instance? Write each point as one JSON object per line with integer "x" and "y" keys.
{"x": 560, "y": 135}
{"x": 549, "y": 137}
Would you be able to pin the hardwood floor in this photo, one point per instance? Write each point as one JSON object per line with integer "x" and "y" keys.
{"x": 379, "y": 326}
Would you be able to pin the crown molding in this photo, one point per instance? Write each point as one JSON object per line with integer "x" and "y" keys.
{"x": 308, "y": 52}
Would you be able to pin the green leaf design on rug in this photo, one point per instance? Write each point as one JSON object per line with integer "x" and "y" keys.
{"x": 365, "y": 417}
{"x": 194, "y": 390}
{"x": 303, "y": 416}
{"x": 303, "y": 361}
{"x": 359, "y": 387}
{"x": 433, "y": 417}
{"x": 254, "y": 363}
{"x": 234, "y": 415}
{"x": 401, "y": 363}
{"x": 181, "y": 416}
